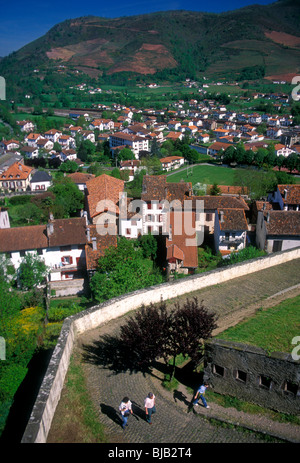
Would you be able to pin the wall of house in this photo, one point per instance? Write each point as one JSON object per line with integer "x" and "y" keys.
{"x": 50, "y": 391}
{"x": 286, "y": 243}
{"x": 247, "y": 372}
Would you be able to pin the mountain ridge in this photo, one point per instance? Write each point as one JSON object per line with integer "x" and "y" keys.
{"x": 176, "y": 41}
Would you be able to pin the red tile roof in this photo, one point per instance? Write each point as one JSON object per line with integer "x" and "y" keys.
{"x": 103, "y": 188}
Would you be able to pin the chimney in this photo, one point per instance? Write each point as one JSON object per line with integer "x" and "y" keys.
{"x": 88, "y": 235}
{"x": 285, "y": 193}
{"x": 94, "y": 244}
{"x": 221, "y": 216}
{"x": 268, "y": 217}
{"x": 50, "y": 229}
{"x": 51, "y": 217}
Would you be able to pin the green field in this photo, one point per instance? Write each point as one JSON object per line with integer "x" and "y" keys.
{"x": 205, "y": 174}
{"x": 272, "y": 329}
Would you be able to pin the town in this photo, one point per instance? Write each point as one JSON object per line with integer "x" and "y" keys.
{"x": 103, "y": 156}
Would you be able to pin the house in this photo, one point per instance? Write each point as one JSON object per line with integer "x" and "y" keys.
{"x": 43, "y": 143}
{"x": 273, "y": 132}
{"x": 230, "y": 233}
{"x": 131, "y": 222}
{"x": 131, "y": 166}
{"x": 32, "y": 138}
{"x": 10, "y": 145}
{"x": 181, "y": 244}
{"x": 217, "y": 147}
{"x": 40, "y": 181}
{"x": 16, "y": 178}
{"x": 60, "y": 244}
{"x": 68, "y": 154}
{"x": 277, "y": 230}
{"x": 205, "y": 216}
{"x": 134, "y": 142}
{"x": 282, "y": 150}
{"x": 4, "y": 218}
{"x": 80, "y": 179}
{"x": 30, "y": 152}
{"x": 102, "y": 201}
{"x": 95, "y": 247}
{"x": 172, "y": 162}
{"x": 66, "y": 141}
{"x": 157, "y": 197}
{"x": 53, "y": 135}
{"x": 173, "y": 136}
{"x": 75, "y": 131}
{"x": 286, "y": 197}
{"x": 25, "y": 126}
{"x": 88, "y": 135}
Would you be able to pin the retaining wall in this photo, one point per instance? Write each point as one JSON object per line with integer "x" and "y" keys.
{"x": 247, "y": 372}
{"x": 50, "y": 391}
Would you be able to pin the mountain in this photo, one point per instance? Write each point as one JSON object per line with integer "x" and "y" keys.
{"x": 263, "y": 39}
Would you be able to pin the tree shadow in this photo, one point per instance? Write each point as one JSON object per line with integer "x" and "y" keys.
{"x": 110, "y": 353}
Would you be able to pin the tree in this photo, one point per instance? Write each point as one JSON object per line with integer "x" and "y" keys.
{"x": 32, "y": 272}
{"x": 144, "y": 335}
{"x": 215, "y": 190}
{"x": 68, "y": 198}
{"x": 190, "y": 326}
{"x": 159, "y": 333}
{"x": 123, "y": 269}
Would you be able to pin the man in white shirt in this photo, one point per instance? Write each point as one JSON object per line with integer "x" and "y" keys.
{"x": 150, "y": 406}
{"x": 200, "y": 395}
{"x": 125, "y": 410}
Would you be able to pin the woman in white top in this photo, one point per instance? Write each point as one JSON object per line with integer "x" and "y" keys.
{"x": 125, "y": 410}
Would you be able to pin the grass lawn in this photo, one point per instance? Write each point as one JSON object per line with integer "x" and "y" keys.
{"x": 205, "y": 174}
{"x": 272, "y": 329}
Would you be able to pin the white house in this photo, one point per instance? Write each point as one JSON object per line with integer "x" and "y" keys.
{"x": 53, "y": 135}
{"x": 40, "y": 181}
{"x": 25, "y": 126}
{"x": 60, "y": 244}
{"x": 135, "y": 143}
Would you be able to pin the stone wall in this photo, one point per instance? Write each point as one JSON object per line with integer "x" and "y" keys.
{"x": 247, "y": 372}
{"x": 49, "y": 394}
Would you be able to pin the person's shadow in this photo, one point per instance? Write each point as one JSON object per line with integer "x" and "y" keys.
{"x": 111, "y": 413}
{"x": 177, "y": 395}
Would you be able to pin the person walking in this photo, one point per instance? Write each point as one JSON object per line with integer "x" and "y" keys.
{"x": 125, "y": 409}
{"x": 150, "y": 407}
{"x": 200, "y": 395}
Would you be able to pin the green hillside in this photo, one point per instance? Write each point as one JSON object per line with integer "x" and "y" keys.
{"x": 252, "y": 42}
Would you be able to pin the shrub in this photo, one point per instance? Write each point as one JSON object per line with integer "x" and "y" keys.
{"x": 59, "y": 313}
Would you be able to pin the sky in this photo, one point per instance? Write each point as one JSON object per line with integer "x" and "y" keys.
{"x": 22, "y": 21}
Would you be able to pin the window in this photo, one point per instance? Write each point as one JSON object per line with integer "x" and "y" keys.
{"x": 219, "y": 371}
{"x": 265, "y": 382}
{"x": 128, "y": 231}
{"x": 290, "y": 388}
{"x": 241, "y": 376}
{"x": 67, "y": 260}
{"x": 209, "y": 217}
{"x": 277, "y": 245}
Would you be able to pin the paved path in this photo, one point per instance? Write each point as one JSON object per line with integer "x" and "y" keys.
{"x": 172, "y": 424}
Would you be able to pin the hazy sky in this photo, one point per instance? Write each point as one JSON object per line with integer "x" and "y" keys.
{"x": 24, "y": 21}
